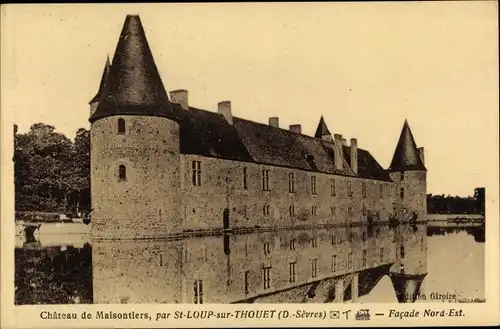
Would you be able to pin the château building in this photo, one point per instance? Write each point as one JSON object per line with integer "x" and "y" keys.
{"x": 160, "y": 167}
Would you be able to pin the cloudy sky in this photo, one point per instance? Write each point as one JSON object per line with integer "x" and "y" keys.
{"x": 364, "y": 66}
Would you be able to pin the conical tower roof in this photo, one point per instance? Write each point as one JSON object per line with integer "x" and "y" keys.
{"x": 406, "y": 156}
{"x": 105, "y": 73}
{"x": 134, "y": 86}
{"x": 322, "y": 129}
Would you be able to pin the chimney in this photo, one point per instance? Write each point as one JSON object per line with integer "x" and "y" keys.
{"x": 338, "y": 151}
{"x": 354, "y": 155}
{"x": 344, "y": 142}
{"x": 274, "y": 122}
{"x": 422, "y": 156}
{"x": 224, "y": 108}
{"x": 180, "y": 96}
{"x": 296, "y": 129}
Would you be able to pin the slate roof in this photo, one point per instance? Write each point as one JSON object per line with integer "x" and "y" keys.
{"x": 368, "y": 166}
{"x": 102, "y": 85}
{"x": 209, "y": 134}
{"x": 322, "y": 129}
{"x": 134, "y": 86}
{"x": 406, "y": 156}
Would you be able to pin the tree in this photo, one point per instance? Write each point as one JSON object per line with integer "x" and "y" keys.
{"x": 52, "y": 174}
{"x": 81, "y": 163}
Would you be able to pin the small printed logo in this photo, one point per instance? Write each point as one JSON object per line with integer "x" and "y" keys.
{"x": 363, "y": 314}
{"x": 334, "y": 315}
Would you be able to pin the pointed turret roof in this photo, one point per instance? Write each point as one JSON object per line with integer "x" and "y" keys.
{"x": 105, "y": 73}
{"x": 322, "y": 129}
{"x": 134, "y": 86}
{"x": 406, "y": 155}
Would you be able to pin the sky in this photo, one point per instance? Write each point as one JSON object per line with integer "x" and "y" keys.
{"x": 366, "y": 67}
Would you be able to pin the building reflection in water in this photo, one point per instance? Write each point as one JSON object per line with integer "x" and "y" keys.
{"x": 324, "y": 265}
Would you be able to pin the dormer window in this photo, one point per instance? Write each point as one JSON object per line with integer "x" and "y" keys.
{"x": 310, "y": 161}
{"x": 121, "y": 126}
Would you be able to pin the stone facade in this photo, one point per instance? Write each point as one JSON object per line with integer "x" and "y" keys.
{"x": 410, "y": 191}
{"x": 146, "y": 201}
{"x": 238, "y": 187}
{"x": 160, "y": 169}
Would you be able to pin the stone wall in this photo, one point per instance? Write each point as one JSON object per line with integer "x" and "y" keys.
{"x": 414, "y": 184}
{"x": 222, "y": 187}
{"x": 146, "y": 203}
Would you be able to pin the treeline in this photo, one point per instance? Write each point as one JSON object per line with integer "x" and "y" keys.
{"x": 51, "y": 172}
{"x": 441, "y": 204}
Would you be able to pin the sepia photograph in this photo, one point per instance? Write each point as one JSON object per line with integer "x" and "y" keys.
{"x": 250, "y": 153}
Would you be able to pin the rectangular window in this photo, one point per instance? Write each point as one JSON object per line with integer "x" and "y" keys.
{"x": 402, "y": 176}
{"x": 196, "y": 168}
{"x": 349, "y": 261}
{"x": 266, "y": 277}
{"x": 292, "y": 210}
{"x": 265, "y": 180}
{"x": 334, "y": 239}
{"x": 292, "y": 244}
{"x": 364, "y": 258}
{"x": 334, "y": 263}
{"x": 402, "y": 193}
{"x": 381, "y": 191}
{"x": 313, "y": 184}
{"x": 292, "y": 272}
{"x": 381, "y": 255}
{"x": 349, "y": 211}
{"x": 363, "y": 189}
{"x": 291, "y": 182}
{"x": 198, "y": 292}
{"x": 349, "y": 188}
{"x": 314, "y": 268}
{"x": 122, "y": 172}
{"x": 332, "y": 187}
{"x": 245, "y": 176}
{"x": 245, "y": 212}
{"x": 246, "y": 281}
{"x": 332, "y": 213}
{"x": 267, "y": 248}
{"x": 314, "y": 210}
{"x": 314, "y": 242}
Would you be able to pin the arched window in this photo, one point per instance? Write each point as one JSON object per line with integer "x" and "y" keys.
{"x": 121, "y": 126}
{"x": 122, "y": 172}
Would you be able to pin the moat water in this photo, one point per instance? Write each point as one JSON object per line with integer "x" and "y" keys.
{"x": 54, "y": 269}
